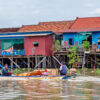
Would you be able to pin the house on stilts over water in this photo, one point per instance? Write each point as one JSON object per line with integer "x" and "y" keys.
{"x": 30, "y": 44}
{"x": 85, "y": 29}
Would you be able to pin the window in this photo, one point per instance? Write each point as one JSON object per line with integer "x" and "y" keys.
{"x": 18, "y": 46}
{"x": 70, "y": 41}
{"x": 36, "y": 44}
{"x": 98, "y": 41}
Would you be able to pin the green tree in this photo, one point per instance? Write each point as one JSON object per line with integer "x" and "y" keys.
{"x": 86, "y": 45}
{"x": 57, "y": 45}
{"x": 73, "y": 57}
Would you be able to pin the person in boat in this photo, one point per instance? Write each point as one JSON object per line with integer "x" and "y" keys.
{"x": 45, "y": 73}
{"x": 72, "y": 72}
{"x": 5, "y": 71}
{"x": 63, "y": 69}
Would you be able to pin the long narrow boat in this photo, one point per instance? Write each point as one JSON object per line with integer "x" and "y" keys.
{"x": 56, "y": 77}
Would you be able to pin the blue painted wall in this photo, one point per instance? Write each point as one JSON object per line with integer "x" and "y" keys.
{"x": 95, "y": 36}
{"x": 67, "y": 36}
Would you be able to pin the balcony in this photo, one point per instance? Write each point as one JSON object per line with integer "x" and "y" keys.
{"x": 15, "y": 52}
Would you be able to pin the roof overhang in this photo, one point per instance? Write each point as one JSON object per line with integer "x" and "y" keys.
{"x": 25, "y": 34}
{"x": 82, "y": 30}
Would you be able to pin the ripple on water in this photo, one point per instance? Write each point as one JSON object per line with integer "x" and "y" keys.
{"x": 81, "y": 88}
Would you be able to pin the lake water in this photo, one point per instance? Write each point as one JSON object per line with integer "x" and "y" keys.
{"x": 81, "y": 88}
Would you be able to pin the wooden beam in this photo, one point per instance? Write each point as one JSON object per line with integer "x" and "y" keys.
{"x": 39, "y": 63}
{"x": 28, "y": 62}
{"x": 14, "y": 63}
{"x": 57, "y": 60}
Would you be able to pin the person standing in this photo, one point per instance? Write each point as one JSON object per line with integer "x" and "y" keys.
{"x": 63, "y": 69}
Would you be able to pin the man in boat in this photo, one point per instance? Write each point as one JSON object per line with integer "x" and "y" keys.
{"x": 5, "y": 71}
{"x": 63, "y": 69}
{"x": 72, "y": 72}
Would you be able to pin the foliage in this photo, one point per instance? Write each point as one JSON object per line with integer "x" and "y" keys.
{"x": 97, "y": 71}
{"x": 85, "y": 69}
{"x": 73, "y": 58}
{"x": 21, "y": 70}
{"x": 57, "y": 45}
{"x": 86, "y": 45}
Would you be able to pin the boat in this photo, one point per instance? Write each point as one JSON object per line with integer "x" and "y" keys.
{"x": 56, "y": 77}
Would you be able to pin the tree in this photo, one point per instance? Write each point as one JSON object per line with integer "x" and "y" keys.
{"x": 57, "y": 45}
{"x": 86, "y": 45}
{"x": 73, "y": 58}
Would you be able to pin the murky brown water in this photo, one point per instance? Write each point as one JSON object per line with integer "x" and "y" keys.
{"x": 49, "y": 90}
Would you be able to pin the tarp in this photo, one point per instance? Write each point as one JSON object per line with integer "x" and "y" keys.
{"x": 82, "y": 36}
{"x": 6, "y": 44}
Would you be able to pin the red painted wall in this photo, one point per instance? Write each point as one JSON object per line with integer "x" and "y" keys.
{"x": 44, "y": 48}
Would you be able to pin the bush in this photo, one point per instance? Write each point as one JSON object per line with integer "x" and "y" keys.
{"x": 57, "y": 45}
{"x": 73, "y": 58}
{"x": 86, "y": 45}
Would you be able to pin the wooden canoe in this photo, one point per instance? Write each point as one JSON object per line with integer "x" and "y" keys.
{"x": 33, "y": 77}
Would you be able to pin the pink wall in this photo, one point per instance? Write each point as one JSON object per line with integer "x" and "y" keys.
{"x": 49, "y": 45}
{"x": 44, "y": 48}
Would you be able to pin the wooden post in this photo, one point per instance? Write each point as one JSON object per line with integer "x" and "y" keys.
{"x": 36, "y": 60}
{"x": 50, "y": 62}
{"x": 11, "y": 65}
{"x": 87, "y": 61}
{"x": 14, "y": 63}
{"x": 44, "y": 63}
{"x": 91, "y": 62}
{"x": 39, "y": 63}
{"x": 56, "y": 60}
{"x": 2, "y": 62}
{"x": 32, "y": 62}
{"x": 28, "y": 63}
{"x": 95, "y": 61}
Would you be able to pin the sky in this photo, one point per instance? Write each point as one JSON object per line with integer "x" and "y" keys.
{"x": 15, "y": 13}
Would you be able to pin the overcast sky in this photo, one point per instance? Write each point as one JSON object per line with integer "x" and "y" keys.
{"x": 14, "y": 13}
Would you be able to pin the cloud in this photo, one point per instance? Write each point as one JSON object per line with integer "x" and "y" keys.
{"x": 91, "y": 4}
{"x": 95, "y": 11}
{"x": 35, "y": 12}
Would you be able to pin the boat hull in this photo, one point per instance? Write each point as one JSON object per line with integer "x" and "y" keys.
{"x": 33, "y": 77}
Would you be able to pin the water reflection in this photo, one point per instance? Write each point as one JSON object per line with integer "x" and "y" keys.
{"x": 49, "y": 90}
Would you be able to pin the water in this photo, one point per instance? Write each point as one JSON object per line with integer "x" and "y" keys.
{"x": 81, "y": 88}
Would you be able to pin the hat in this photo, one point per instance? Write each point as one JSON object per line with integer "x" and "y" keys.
{"x": 62, "y": 62}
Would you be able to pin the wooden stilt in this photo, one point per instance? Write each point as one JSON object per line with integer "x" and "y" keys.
{"x": 50, "y": 62}
{"x": 44, "y": 63}
{"x": 28, "y": 63}
{"x": 39, "y": 63}
{"x": 14, "y": 63}
{"x": 2, "y": 62}
{"x": 35, "y": 60}
{"x": 56, "y": 60}
{"x": 31, "y": 60}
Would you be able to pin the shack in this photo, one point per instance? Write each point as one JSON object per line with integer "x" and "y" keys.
{"x": 26, "y": 48}
{"x": 27, "y": 43}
